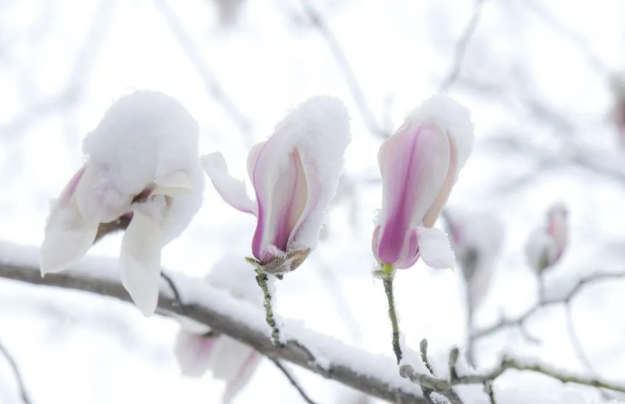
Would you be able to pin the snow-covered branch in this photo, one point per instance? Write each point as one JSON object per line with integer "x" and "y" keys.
{"x": 374, "y": 375}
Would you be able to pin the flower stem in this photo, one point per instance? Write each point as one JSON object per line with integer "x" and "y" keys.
{"x": 388, "y": 273}
{"x": 261, "y": 279}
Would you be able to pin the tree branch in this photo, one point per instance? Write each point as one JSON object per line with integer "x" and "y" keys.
{"x": 18, "y": 375}
{"x": 565, "y": 299}
{"x": 376, "y": 375}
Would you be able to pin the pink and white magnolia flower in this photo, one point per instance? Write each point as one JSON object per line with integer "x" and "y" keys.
{"x": 143, "y": 175}
{"x": 295, "y": 174}
{"x": 198, "y": 350}
{"x": 476, "y": 239}
{"x": 547, "y": 244}
{"x": 419, "y": 166}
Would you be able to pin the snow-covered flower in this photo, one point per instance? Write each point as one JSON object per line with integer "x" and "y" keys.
{"x": 142, "y": 174}
{"x": 476, "y": 238}
{"x": 547, "y": 244}
{"x": 295, "y": 174}
{"x": 199, "y": 350}
{"x": 419, "y": 166}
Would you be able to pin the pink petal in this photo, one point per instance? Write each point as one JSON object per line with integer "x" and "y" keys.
{"x": 193, "y": 352}
{"x": 414, "y": 164}
{"x": 280, "y": 185}
{"x": 232, "y": 191}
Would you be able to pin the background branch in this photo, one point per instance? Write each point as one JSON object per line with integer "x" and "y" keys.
{"x": 18, "y": 375}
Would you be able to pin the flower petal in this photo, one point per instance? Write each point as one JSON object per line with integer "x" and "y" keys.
{"x": 193, "y": 352}
{"x": 140, "y": 261}
{"x": 235, "y": 363}
{"x": 414, "y": 164}
{"x": 231, "y": 190}
{"x": 174, "y": 184}
{"x": 68, "y": 237}
{"x": 434, "y": 248}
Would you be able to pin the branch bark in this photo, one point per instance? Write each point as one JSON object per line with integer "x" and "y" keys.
{"x": 236, "y": 319}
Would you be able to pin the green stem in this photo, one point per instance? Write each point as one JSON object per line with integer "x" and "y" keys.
{"x": 261, "y": 279}
{"x": 388, "y": 273}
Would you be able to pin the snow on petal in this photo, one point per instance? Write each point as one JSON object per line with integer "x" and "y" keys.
{"x": 140, "y": 258}
{"x": 231, "y": 190}
{"x": 193, "y": 353}
{"x": 434, "y": 248}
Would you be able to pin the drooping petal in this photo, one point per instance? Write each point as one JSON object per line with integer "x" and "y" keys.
{"x": 177, "y": 183}
{"x": 434, "y": 248}
{"x": 231, "y": 190}
{"x": 193, "y": 353}
{"x": 98, "y": 199}
{"x": 234, "y": 363}
{"x": 68, "y": 237}
{"x": 244, "y": 375}
{"x": 140, "y": 259}
{"x": 414, "y": 164}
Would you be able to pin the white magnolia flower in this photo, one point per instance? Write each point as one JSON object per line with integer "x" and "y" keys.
{"x": 142, "y": 174}
{"x": 198, "y": 350}
{"x": 295, "y": 174}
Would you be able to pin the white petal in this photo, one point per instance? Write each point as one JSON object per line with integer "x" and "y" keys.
{"x": 174, "y": 184}
{"x": 434, "y": 248}
{"x": 230, "y": 189}
{"x": 68, "y": 236}
{"x": 193, "y": 352}
{"x": 140, "y": 261}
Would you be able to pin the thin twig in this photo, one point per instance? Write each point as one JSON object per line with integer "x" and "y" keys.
{"x": 211, "y": 83}
{"x": 461, "y": 47}
{"x": 387, "y": 280}
{"x": 262, "y": 279}
{"x": 348, "y": 73}
{"x": 444, "y": 386}
{"x": 292, "y": 380}
{"x": 18, "y": 375}
{"x": 520, "y": 320}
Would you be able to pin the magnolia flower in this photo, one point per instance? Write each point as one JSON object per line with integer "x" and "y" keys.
{"x": 476, "y": 239}
{"x": 143, "y": 175}
{"x": 295, "y": 174}
{"x": 198, "y": 349}
{"x": 546, "y": 245}
{"x": 419, "y": 166}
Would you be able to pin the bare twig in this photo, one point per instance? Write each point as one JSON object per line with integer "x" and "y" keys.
{"x": 211, "y": 83}
{"x": 18, "y": 375}
{"x": 226, "y": 315}
{"x": 461, "y": 47}
{"x": 520, "y": 320}
{"x": 348, "y": 73}
{"x": 292, "y": 380}
{"x": 444, "y": 386}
